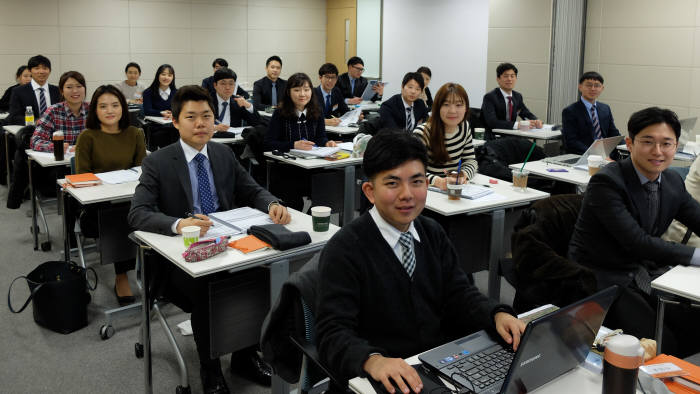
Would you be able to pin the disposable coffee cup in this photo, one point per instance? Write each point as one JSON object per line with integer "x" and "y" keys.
{"x": 320, "y": 218}
{"x": 454, "y": 189}
{"x": 58, "y": 139}
{"x": 190, "y": 235}
{"x": 520, "y": 180}
{"x": 595, "y": 162}
{"x": 524, "y": 125}
{"x": 623, "y": 356}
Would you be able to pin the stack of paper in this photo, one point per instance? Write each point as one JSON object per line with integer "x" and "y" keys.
{"x": 315, "y": 151}
{"x": 348, "y": 146}
{"x": 350, "y": 117}
{"x": 236, "y": 221}
{"x": 120, "y": 176}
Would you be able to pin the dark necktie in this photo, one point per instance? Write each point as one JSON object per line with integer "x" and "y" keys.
{"x": 274, "y": 94}
{"x": 327, "y": 108}
{"x": 510, "y": 109}
{"x": 409, "y": 120}
{"x": 42, "y": 102}
{"x": 408, "y": 259}
{"x": 652, "y": 189}
{"x": 223, "y": 111}
{"x": 597, "y": 133}
{"x": 352, "y": 87}
{"x": 206, "y": 202}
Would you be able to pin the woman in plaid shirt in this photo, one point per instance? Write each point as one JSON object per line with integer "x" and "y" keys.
{"x": 67, "y": 116}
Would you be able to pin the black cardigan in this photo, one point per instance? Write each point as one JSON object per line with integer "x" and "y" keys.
{"x": 367, "y": 303}
{"x": 283, "y": 132}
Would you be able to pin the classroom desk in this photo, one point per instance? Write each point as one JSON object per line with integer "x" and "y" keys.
{"x": 44, "y": 159}
{"x": 370, "y": 106}
{"x": 158, "y": 119}
{"x": 579, "y": 178}
{"x": 535, "y": 134}
{"x": 438, "y": 202}
{"x": 342, "y": 130}
{"x": 238, "y": 139}
{"x": 348, "y": 166}
{"x": 680, "y": 282}
{"x": 171, "y": 247}
{"x": 9, "y": 130}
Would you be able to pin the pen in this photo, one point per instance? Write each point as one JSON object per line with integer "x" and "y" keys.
{"x": 459, "y": 169}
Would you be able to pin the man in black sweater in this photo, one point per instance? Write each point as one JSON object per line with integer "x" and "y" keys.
{"x": 381, "y": 301}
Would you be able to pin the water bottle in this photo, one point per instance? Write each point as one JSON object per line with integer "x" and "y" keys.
{"x": 29, "y": 116}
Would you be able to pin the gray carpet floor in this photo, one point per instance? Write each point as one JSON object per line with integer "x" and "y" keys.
{"x": 37, "y": 360}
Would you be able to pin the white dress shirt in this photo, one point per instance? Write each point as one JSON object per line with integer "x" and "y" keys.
{"x": 391, "y": 234}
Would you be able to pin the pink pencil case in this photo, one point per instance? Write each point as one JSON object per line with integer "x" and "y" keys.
{"x": 205, "y": 249}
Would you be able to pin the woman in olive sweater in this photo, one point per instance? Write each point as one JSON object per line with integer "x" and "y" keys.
{"x": 109, "y": 144}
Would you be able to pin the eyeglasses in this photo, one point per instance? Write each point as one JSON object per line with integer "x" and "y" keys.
{"x": 592, "y": 85}
{"x": 330, "y": 77}
{"x": 360, "y": 69}
{"x": 650, "y": 144}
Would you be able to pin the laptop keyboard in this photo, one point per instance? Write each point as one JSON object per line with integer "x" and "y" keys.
{"x": 482, "y": 369}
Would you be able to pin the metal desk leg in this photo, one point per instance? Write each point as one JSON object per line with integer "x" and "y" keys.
{"x": 146, "y": 325}
{"x": 279, "y": 272}
{"x": 349, "y": 195}
{"x": 66, "y": 235}
{"x": 32, "y": 197}
{"x": 660, "y": 306}
{"x": 495, "y": 254}
{"x": 7, "y": 158}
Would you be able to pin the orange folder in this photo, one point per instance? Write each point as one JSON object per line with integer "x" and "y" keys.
{"x": 672, "y": 384}
{"x": 248, "y": 244}
{"x": 85, "y": 179}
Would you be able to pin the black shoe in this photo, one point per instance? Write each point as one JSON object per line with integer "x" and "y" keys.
{"x": 213, "y": 381}
{"x": 249, "y": 365}
{"x": 123, "y": 300}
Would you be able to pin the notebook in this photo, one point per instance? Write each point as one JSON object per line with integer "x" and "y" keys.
{"x": 550, "y": 346}
{"x": 602, "y": 147}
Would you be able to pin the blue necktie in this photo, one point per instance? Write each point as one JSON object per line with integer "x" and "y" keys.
{"x": 327, "y": 109}
{"x": 597, "y": 133}
{"x": 352, "y": 87}
{"x": 223, "y": 111}
{"x": 274, "y": 94}
{"x": 203, "y": 189}
{"x": 42, "y": 102}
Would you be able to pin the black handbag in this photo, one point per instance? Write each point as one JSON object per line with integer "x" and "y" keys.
{"x": 59, "y": 295}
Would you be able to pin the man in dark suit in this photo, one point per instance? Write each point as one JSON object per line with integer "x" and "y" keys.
{"x": 628, "y": 205}
{"x": 263, "y": 93}
{"x": 502, "y": 106}
{"x": 329, "y": 98}
{"x": 230, "y": 110}
{"x": 208, "y": 82}
{"x": 405, "y": 110}
{"x": 587, "y": 120}
{"x": 167, "y": 191}
{"x": 352, "y": 83}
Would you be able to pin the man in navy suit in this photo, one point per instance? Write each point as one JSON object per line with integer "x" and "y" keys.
{"x": 502, "y": 106}
{"x": 263, "y": 88}
{"x": 230, "y": 110}
{"x": 352, "y": 84}
{"x": 329, "y": 98}
{"x": 587, "y": 119}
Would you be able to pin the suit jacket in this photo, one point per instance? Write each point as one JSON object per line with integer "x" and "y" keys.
{"x": 393, "y": 113}
{"x": 22, "y": 97}
{"x": 164, "y": 192}
{"x": 208, "y": 84}
{"x": 360, "y": 84}
{"x": 237, "y": 113}
{"x": 262, "y": 92}
{"x": 153, "y": 106}
{"x": 338, "y": 106}
{"x": 610, "y": 235}
{"x": 493, "y": 109}
{"x": 577, "y": 127}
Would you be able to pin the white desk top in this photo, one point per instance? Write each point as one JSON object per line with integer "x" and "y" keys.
{"x": 101, "y": 193}
{"x": 158, "y": 119}
{"x": 238, "y": 139}
{"x": 370, "y": 106}
{"x": 12, "y": 129}
{"x": 171, "y": 247}
{"x": 342, "y": 129}
{"x": 46, "y": 159}
{"x": 680, "y": 280}
{"x": 316, "y": 163}
{"x": 540, "y": 134}
{"x": 438, "y": 202}
{"x": 680, "y": 156}
{"x": 539, "y": 167}
{"x": 265, "y": 114}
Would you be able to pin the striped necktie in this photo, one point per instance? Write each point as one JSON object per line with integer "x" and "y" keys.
{"x": 206, "y": 202}
{"x": 597, "y": 133}
{"x": 409, "y": 120}
{"x": 42, "y": 101}
{"x": 408, "y": 259}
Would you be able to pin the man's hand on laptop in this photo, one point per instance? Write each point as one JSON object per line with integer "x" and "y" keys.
{"x": 382, "y": 369}
{"x": 509, "y": 328}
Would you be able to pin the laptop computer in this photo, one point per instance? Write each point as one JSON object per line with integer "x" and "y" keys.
{"x": 602, "y": 147}
{"x": 550, "y": 346}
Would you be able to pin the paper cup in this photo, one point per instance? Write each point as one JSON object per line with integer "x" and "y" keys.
{"x": 524, "y": 125}
{"x": 320, "y": 218}
{"x": 520, "y": 179}
{"x": 190, "y": 235}
{"x": 595, "y": 162}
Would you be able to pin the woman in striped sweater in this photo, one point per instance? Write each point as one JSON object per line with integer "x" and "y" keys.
{"x": 447, "y": 136}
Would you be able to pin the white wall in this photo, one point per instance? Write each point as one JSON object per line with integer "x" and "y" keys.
{"x": 369, "y": 26}
{"x": 449, "y": 36}
{"x": 98, "y": 37}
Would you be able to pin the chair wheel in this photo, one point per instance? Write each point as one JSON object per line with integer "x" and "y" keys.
{"x": 138, "y": 350}
{"x": 183, "y": 390}
{"x": 46, "y": 246}
{"x": 106, "y": 332}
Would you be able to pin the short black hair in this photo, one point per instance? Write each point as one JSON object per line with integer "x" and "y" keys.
{"x": 132, "y": 64}
{"x": 418, "y": 77}
{"x": 651, "y": 116}
{"x": 224, "y": 73}
{"x": 591, "y": 75}
{"x": 20, "y": 70}
{"x": 93, "y": 122}
{"x": 38, "y": 60}
{"x": 221, "y": 62}
{"x": 328, "y": 68}
{"x": 425, "y": 70}
{"x": 189, "y": 93}
{"x": 390, "y": 148}
{"x": 355, "y": 60}
{"x": 503, "y": 67}
{"x": 271, "y": 58}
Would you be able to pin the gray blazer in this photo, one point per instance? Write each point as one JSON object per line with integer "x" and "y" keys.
{"x": 164, "y": 194}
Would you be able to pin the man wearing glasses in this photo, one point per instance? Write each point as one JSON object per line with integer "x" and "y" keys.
{"x": 352, "y": 83}
{"x": 587, "y": 119}
{"x": 628, "y": 205}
